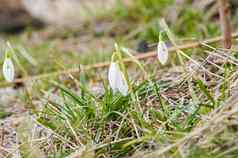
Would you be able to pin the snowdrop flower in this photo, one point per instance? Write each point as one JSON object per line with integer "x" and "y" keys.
{"x": 8, "y": 69}
{"x": 117, "y": 79}
{"x": 163, "y": 52}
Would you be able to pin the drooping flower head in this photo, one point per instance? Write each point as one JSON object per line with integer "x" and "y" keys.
{"x": 117, "y": 75}
{"x": 8, "y": 66}
{"x": 117, "y": 79}
{"x": 8, "y": 69}
{"x": 162, "y": 51}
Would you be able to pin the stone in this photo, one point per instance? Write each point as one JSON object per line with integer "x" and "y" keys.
{"x": 69, "y": 12}
{"x": 16, "y": 14}
{"x": 13, "y": 15}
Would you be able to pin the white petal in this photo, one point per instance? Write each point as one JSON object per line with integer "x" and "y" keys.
{"x": 8, "y": 70}
{"x": 122, "y": 84}
{"x": 112, "y": 76}
{"x": 117, "y": 80}
{"x": 162, "y": 52}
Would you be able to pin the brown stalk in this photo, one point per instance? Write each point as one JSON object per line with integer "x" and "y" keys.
{"x": 225, "y": 21}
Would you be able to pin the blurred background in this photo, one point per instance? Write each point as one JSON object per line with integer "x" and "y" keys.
{"x": 61, "y": 34}
{"x": 16, "y": 14}
{"x": 65, "y": 33}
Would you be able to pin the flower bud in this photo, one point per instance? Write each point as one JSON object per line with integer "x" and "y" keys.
{"x": 8, "y": 69}
{"x": 162, "y": 51}
{"x": 117, "y": 79}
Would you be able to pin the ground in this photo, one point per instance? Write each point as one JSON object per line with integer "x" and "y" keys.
{"x": 186, "y": 108}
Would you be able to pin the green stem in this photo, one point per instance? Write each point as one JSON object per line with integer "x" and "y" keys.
{"x": 121, "y": 65}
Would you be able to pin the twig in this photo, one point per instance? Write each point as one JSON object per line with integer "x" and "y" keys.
{"x": 106, "y": 64}
{"x": 225, "y": 22}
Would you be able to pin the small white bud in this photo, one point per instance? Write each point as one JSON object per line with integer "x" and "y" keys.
{"x": 112, "y": 75}
{"x": 8, "y": 69}
{"x": 117, "y": 80}
{"x": 163, "y": 52}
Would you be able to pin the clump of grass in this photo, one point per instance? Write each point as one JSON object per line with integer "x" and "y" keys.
{"x": 155, "y": 115}
{"x": 185, "y": 20}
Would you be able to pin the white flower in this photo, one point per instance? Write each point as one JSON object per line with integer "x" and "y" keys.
{"x": 117, "y": 80}
{"x": 8, "y": 69}
{"x": 163, "y": 52}
{"x": 112, "y": 75}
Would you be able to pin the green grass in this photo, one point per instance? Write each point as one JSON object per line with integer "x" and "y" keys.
{"x": 4, "y": 114}
{"x": 117, "y": 126}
